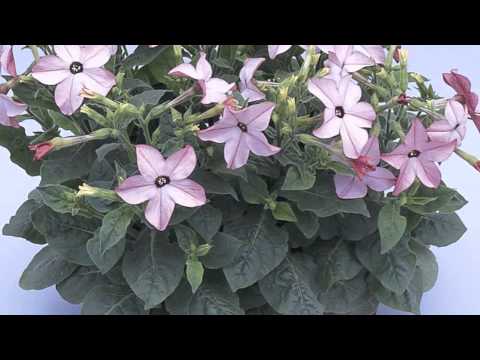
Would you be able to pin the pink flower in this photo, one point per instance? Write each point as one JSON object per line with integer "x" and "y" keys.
{"x": 368, "y": 174}
{"x": 41, "y": 150}
{"x": 275, "y": 50}
{"x": 248, "y": 89}
{"x": 73, "y": 69}
{"x": 344, "y": 113}
{"x": 7, "y": 62}
{"x": 416, "y": 157}
{"x": 214, "y": 89}
{"x": 453, "y": 127}
{"x": 163, "y": 183}
{"x": 9, "y": 109}
{"x": 241, "y": 131}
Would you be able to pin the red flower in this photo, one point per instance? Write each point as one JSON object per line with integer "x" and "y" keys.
{"x": 41, "y": 150}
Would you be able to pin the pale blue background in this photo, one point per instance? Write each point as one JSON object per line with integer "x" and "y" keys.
{"x": 456, "y": 292}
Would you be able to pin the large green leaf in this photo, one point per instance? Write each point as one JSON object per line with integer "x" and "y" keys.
{"x": 445, "y": 200}
{"x": 206, "y": 221}
{"x": 426, "y": 263}
{"x": 47, "y": 268}
{"x": 264, "y": 247}
{"x": 153, "y": 268}
{"x": 214, "y": 184}
{"x": 440, "y": 229}
{"x": 143, "y": 55}
{"x": 105, "y": 259}
{"x": 295, "y": 180}
{"x": 114, "y": 227}
{"x": 20, "y": 225}
{"x": 59, "y": 198}
{"x": 307, "y": 223}
{"x": 112, "y": 300}
{"x": 290, "y": 288}
{"x": 255, "y": 190}
{"x": 223, "y": 251}
{"x": 391, "y": 226}
{"x": 66, "y": 234}
{"x": 75, "y": 287}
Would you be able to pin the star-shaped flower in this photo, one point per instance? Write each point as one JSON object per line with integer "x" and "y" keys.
{"x": 214, "y": 89}
{"x": 242, "y": 132}
{"x": 344, "y": 113}
{"x": 163, "y": 183}
{"x": 416, "y": 157}
{"x": 73, "y": 69}
{"x": 453, "y": 127}
{"x": 9, "y": 109}
{"x": 248, "y": 89}
{"x": 7, "y": 61}
{"x": 368, "y": 174}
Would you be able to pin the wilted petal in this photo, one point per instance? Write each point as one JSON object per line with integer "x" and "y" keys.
{"x": 326, "y": 90}
{"x": 98, "y": 80}
{"x": 428, "y": 173}
{"x": 150, "y": 162}
{"x": 236, "y": 151}
{"x": 434, "y": 151}
{"x": 203, "y": 67}
{"x": 50, "y": 70}
{"x": 380, "y": 179}
{"x": 460, "y": 83}
{"x": 329, "y": 128}
{"x": 275, "y": 50}
{"x": 12, "y": 108}
{"x": 186, "y": 193}
{"x": 181, "y": 164}
{"x": 258, "y": 144}
{"x": 136, "y": 190}
{"x": 349, "y": 187}
{"x": 256, "y": 116}
{"x": 94, "y": 56}
{"x": 353, "y": 139}
{"x": 406, "y": 177}
{"x": 68, "y": 53}
{"x": 67, "y": 95}
{"x": 159, "y": 210}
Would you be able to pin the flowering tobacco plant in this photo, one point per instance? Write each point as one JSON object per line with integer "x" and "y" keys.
{"x": 234, "y": 179}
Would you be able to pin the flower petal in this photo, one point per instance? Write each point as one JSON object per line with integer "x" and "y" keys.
{"x": 181, "y": 164}
{"x": 256, "y": 116}
{"x": 353, "y": 138}
{"x": 222, "y": 130}
{"x": 416, "y": 136}
{"x": 98, "y": 80}
{"x": 326, "y": 90}
{"x": 7, "y": 61}
{"x": 329, "y": 128}
{"x": 50, "y": 70}
{"x": 159, "y": 210}
{"x": 372, "y": 150}
{"x": 136, "y": 190}
{"x": 428, "y": 173}
{"x": 356, "y": 61}
{"x": 250, "y": 66}
{"x": 68, "y": 53}
{"x": 236, "y": 151}
{"x": 258, "y": 144}
{"x": 185, "y": 70}
{"x": 12, "y": 108}
{"x": 397, "y": 157}
{"x": 349, "y": 187}
{"x": 215, "y": 91}
{"x": 435, "y": 151}
{"x": 376, "y": 52}
{"x": 203, "y": 67}
{"x": 362, "y": 115}
{"x": 349, "y": 92}
{"x": 380, "y": 179}
{"x": 94, "y": 56}
{"x": 455, "y": 113}
{"x": 441, "y": 131}
{"x": 406, "y": 177}
{"x": 67, "y": 95}
{"x": 186, "y": 192}
{"x": 275, "y": 50}
{"x": 150, "y": 162}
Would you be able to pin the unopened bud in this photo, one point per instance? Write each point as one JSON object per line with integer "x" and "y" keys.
{"x": 100, "y": 99}
{"x": 469, "y": 158}
{"x": 86, "y": 190}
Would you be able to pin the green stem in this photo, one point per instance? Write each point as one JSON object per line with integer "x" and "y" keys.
{"x": 214, "y": 111}
{"x": 34, "y": 50}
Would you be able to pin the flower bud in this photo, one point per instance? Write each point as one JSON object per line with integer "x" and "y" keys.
{"x": 86, "y": 190}
{"x": 95, "y": 116}
{"x": 469, "y": 158}
{"x": 100, "y": 99}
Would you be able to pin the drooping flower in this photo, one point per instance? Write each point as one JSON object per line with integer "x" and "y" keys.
{"x": 7, "y": 61}
{"x": 242, "y": 132}
{"x": 9, "y": 109}
{"x": 214, "y": 89}
{"x": 417, "y": 156}
{"x": 248, "y": 89}
{"x": 163, "y": 183}
{"x": 368, "y": 174}
{"x": 275, "y": 50}
{"x": 73, "y": 69}
{"x": 344, "y": 113}
{"x": 41, "y": 150}
{"x": 453, "y": 127}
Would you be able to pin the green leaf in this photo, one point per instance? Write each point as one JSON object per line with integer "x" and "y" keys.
{"x": 16, "y": 142}
{"x": 439, "y": 229}
{"x": 194, "y": 272}
{"x": 148, "y": 97}
{"x": 307, "y": 223}
{"x": 356, "y": 227}
{"x": 62, "y": 121}
{"x": 186, "y": 237}
{"x": 32, "y": 93}
{"x": 264, "y": 247}
{"x": 283, "y": 212}
{"x": 182, "y": 213}
{"x": 47, "y": 268}
{"x": 255, "y": 190}
{"x": 143, "y": 55}
{"x": 290, "y": 287}
{"x": 223, "y": 251}
{"x": 114, "y": 227}
{"x": 59, "y": 198}
{"x": 214, "y": 297}
{"x": 391, "y": 226}
{"x": 251, "y": 297}
{"x": 295, "y": 180}
{"x": 340, "y": 168}
{"x": 394, "y": 269}
{"x": 66, "y": 234}
{"x": 105, "y": 258}
{"x": 75, "y": 287}
{"x": 427, "y": 264}
{"x": 21, "y": 225}
{"x": 445, "y": 200}
{"x": 214, "y": 184}
{"x": 206, "y": 221}
{"x": 112, "y": 300}
{"x": 322, "y": 200}
{"x": 153, "y": 268}
{"x": 157, "y": 70}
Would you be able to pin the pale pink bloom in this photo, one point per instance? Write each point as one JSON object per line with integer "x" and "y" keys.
{"x": 214, "y": 89}
{"x": 163, "y": 183}
{"x": 73, "y": 69}
{"x": 111, "y": 48}
{"x": 344, "y": 114}
{"x": 248, "y": 89}
{"x": 242, "y": 132}
{"x": 368, "y": 174}
{"x": 275, "y": 50}
{"x": 9, "y": 109}
{"x": 417, "y": 156}
{"x": 7, "y": 61}
{"x": 453, "y": 127}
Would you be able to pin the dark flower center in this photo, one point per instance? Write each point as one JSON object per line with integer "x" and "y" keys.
{"x": 162, "y": 181}
{"x": 339, "y": 112}
{"x": 76, "y": 67}
{"x": 456, "y": 127}
{"x": 242, "y": 127}
{"x": 413, "y": 154}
